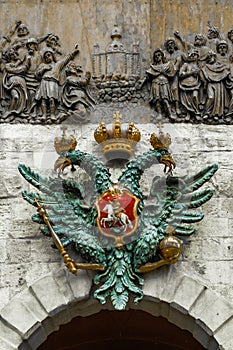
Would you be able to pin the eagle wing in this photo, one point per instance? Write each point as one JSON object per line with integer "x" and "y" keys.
{"x": 72, "y": 220}
{"x": 175, "y": 202}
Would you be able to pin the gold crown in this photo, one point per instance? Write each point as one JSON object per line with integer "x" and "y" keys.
{"x": 161, "y": 141}
{"x": 119, "y": 141}
{"x": 63, "y": 143}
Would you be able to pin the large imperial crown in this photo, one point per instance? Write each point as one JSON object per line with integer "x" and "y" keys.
{"x": 117, "y": 140}
{"x": 64, "y": 143}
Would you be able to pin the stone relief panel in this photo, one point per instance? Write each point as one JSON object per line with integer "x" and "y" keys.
{"x": 117, "y": 71}
{"x": 186, "y": 81}
{"x": 40, "y": 82}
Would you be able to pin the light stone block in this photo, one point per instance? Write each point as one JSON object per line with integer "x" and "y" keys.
{"x": 5, "y": 346}
{"x": 186, "y": 294}
{"x": 19, "y": 316}
{"x": 8, "y": 335}
{"x": 211, "y": 310}
{"x": 210, "y": 249}
{"x": 80, "y": 284}
{"x": 160, "y": 284}
{"x": 224, "y": 335}
{"x": 219, "y": 227}
{"x": 47, "y": 291}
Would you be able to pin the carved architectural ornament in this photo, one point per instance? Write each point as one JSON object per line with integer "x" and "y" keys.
{"x": 116, "y": 233}
{"x": 186, "y": 81}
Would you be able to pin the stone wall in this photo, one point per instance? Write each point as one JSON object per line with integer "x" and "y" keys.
{"x": 27, "y": 254}
{"x": 27, "y": 258}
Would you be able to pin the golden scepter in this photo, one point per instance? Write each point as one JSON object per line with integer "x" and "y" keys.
{"x": 70, "y": 263}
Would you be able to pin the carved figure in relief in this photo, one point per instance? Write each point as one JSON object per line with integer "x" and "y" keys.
{"x": 175, "y": 56}
{"x": 53, "y": 42}
{"x": 213, "y": 36}
{"x": 189, "y": 83}
{"x": 21, "y": 40}
{"x": 199, "y": 44}
{"x": 19, "y": 43}
{"x": 33, "y": 60}
{"x": 48, "y": 72}
{"x": 229, "y": 86}
{"x": 6, "y": 39}
{"x": 75, "y": 95}
{"x": 230, "y": 40}
{"x": 222, "y": 51}
{"x": 116, "y": 78}
{"x": 14, "y": 83}
{"x": 214, "y": 75}
{"x": 159, "y": 74}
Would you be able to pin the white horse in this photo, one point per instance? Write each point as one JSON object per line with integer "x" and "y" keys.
{"x": 112, "y": 219}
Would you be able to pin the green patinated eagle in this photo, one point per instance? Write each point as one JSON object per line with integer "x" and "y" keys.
{"x": 170, "y": 204}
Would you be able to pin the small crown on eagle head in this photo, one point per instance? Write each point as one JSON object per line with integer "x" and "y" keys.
{"x": 64, "y": 143}
{"x": 117, "y": 141}
{"x": 161, "y": 141}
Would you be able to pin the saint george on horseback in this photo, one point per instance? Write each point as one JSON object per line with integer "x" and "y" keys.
{"x": 116, "y": 215}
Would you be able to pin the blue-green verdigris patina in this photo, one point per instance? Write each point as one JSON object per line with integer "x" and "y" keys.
{"x": 169, "y": 204}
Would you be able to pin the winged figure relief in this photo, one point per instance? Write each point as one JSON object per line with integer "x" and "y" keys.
{"x": 119, "y": 233}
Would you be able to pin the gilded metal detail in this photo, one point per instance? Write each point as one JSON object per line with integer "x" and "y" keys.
{"x": 116, "y": 233}
{"x": 62, "y": 144}
{"x": 117, "y": 140}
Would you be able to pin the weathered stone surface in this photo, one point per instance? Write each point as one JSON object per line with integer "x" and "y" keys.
{"x": 223, "y": 335}
{"x": 211, "y": 310}
{"x": 181, "y": 299}
{"x": 51, "y": 298}
{"x": 206, "y": 255}
{"x": 9, "y": 337}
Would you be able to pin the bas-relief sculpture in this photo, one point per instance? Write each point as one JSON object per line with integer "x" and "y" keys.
{"x": 40, "y": 82}
{"x": 185, "y": 82}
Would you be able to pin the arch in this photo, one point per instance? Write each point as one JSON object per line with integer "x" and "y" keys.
{"x": 131, "y": 330}
{"x": 58, "y": 297}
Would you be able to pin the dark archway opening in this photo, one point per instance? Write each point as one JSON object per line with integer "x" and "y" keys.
{"x": 120, "y": 330}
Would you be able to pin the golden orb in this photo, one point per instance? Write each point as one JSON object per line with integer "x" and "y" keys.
{"x": 170, "y": 248}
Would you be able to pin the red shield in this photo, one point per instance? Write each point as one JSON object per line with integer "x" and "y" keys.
{"x": 117, "y": 212}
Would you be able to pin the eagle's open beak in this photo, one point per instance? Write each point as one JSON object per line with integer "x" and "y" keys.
{"x": 169, "y": 162}
{"x": 61, "y": 164}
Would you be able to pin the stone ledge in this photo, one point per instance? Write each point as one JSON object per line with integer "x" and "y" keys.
{"x": 186, "y": 294}
{"x": 202, "y": 337}
{"x": 167, "y": 281}
{"x": 80, "y": 285}
{"x": 224, "y": 335}
{"x": 211, "y": 311}
{"x": 20, "y": 318}
{"x": 8, "y": 337}
{"x": 50, "y": 295}
{"x": 5, "y": 346}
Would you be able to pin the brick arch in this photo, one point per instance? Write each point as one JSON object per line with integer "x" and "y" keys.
{"x": 57, "y": 298}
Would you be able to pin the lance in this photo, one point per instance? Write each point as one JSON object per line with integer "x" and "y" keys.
{"x": 70, "y": 263}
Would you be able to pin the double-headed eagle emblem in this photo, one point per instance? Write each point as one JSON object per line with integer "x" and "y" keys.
{"x": 118, "y": 233}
